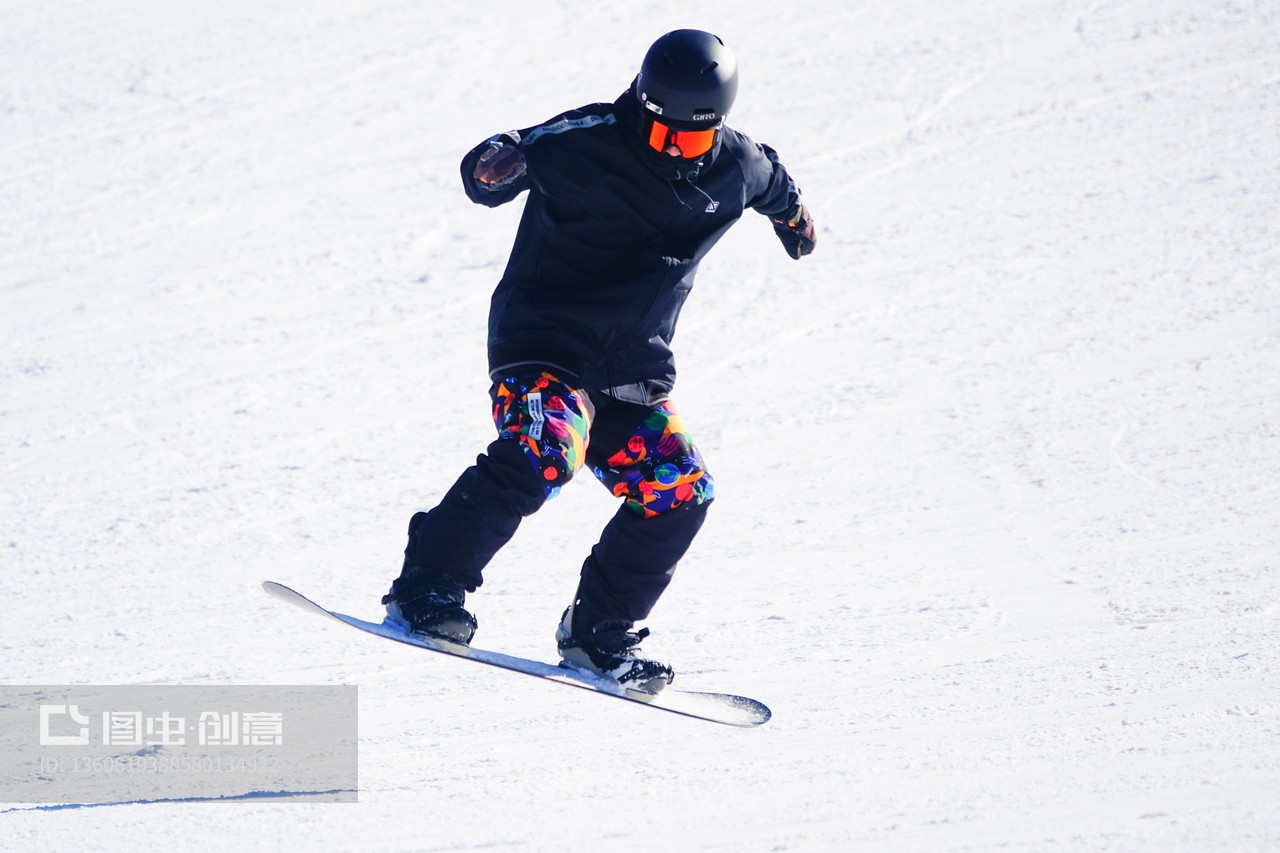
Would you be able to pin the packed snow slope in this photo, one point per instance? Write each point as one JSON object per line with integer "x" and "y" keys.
{"x": 997, "y": 536}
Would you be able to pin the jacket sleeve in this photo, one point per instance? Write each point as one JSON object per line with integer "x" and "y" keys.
{"x": 477, "y": 191}
{"x": 775, "y": 192}
{"x": 531, "y": 140}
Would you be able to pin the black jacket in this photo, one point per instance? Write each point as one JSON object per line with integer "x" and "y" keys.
{"x": 610, "y": 241}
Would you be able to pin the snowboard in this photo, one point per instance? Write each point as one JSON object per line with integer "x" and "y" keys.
{"x": 723, "y": 708}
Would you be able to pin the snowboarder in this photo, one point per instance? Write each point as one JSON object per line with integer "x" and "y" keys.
{"x": 625, "y": 199}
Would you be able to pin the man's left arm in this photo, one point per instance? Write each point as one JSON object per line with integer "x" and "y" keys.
{"x": 779, "y": 199}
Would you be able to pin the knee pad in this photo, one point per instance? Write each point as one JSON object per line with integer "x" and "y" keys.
{"x": 549, "y": 420}
{"x": 659, "y": 469}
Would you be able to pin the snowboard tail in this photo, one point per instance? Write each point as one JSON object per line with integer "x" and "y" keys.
{"x": 724, "y": 708}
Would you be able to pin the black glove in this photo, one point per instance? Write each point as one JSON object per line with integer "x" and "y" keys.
{"x": 795, "y": 229}
{"x": 500, "y": 166}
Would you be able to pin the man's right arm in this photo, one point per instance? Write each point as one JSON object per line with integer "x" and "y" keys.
{"x": 495, "y": 171}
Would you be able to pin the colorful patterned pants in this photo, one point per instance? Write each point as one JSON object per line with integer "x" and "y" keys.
{"x": 547, "y": 431}
{"x": 657, "y": 468}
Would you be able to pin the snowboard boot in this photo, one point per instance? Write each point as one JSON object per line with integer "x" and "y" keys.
{"x": 609, "y": 648}
{"x": 435, "y": 611}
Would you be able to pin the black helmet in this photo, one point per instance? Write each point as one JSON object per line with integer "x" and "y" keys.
{"x": 689, "y": 78}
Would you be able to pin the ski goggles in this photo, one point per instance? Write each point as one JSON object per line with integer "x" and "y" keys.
{"x": 692, "y": 143}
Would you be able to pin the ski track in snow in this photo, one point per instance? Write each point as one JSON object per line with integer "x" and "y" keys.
{"x": 997, "y": 466}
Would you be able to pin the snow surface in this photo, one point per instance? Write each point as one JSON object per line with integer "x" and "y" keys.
{"x": 998, "y": 465}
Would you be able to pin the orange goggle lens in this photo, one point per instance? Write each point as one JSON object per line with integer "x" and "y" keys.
{"x": 692, "y": 143}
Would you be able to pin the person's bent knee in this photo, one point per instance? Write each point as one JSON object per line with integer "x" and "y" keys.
{"x": 669, "y": 489}
{"x": 549, "y": 420}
